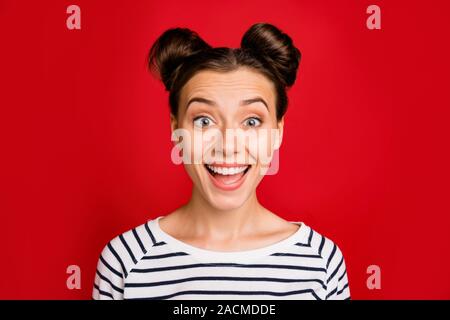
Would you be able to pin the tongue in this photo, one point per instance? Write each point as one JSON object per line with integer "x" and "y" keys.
{"x": 228, "y": 179}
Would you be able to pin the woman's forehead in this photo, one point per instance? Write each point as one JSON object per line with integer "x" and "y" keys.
{"x": 242, "y": 83}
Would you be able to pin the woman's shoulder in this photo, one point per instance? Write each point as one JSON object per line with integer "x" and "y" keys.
{"x": 124, "y": 250}
{"x": 314, "y": 242}
{"x": 334, "y": 264}
{"x": 332, "y": 260}
{"x": 317, "y": 242}
{"x": 118, "y": 258}
{"x": 321, "y": 243}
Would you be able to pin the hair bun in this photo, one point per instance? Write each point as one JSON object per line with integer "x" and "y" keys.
{"x": 169, "y": 51}
{"x": 276, "y": 48}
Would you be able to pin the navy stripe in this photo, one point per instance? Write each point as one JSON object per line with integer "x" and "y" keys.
{"x": 335, "y": 270}
{"x": 117, "y": 273}
{"x": 118, "y": 259}
{"x": 332, "y": 255}
{"x": 309, "y": 240}
{"x": 169, "y": 282}
{"x": 109, "y": 281}
{"x": 103, "y": 293}
{"x": 315, "y": 295}
{"x": 345, "y": 272}
{"x": 310, "y": 236}
{"x": 342, "y": 290}
{"x": 152, "y": 237}
{"x": 331, "y": 293}
{"x": 139, "y": 241}
{"x": 322, "y": 242}
{"x": 167, "y": 255}
{"x": 237, "y": 265}
{"x": 125, "y": 244}
{"x": 206, "y": 292}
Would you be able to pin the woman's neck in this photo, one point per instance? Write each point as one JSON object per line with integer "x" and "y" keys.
{"x": 204, "y": 220}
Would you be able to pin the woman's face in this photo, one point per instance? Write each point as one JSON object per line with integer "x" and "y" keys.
{"x": 227, "y": 121}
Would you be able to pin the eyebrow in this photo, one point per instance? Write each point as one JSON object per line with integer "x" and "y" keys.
{"x": 242, "y": 103}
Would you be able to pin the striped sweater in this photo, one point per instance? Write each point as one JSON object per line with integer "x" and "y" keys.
{"x": 148, "y": 263}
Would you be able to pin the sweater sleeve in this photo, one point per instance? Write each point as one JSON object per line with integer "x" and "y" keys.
{"x": 109, "y": 276}
{"x": 337, "y": 281}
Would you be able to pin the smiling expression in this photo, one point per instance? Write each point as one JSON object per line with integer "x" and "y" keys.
{"x": 241, "y": 101}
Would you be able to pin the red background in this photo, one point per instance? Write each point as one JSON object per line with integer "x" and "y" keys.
{"x": 85, "y": 136}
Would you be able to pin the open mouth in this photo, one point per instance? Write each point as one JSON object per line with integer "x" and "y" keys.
{"x": 227, "y": 177}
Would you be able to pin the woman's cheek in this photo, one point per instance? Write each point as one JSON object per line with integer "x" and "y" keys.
{"x": 265, "y": 149}
{"x": 194, "y": 146}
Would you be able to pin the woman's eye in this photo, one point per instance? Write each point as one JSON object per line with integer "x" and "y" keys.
{"x": 252, "y": 122}
{"x": 202, "y": 122}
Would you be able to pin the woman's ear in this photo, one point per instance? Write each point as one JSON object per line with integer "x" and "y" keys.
{"x": 279, "y": 138}
{"x": 173, "y": 122}
{"x": 174, "y": 130}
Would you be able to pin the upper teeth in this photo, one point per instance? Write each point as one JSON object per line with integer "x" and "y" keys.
{"x": 227, "y": 171}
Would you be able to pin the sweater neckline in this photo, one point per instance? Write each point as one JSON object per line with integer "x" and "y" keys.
{"x": 233, "y": 256}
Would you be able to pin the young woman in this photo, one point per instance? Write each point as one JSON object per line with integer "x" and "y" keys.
{"x": 223, "y": 244}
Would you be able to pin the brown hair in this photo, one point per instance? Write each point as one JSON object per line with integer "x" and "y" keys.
{"x": 179, "y": 53}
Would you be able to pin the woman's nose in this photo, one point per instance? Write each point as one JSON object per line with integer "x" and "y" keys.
{"x": 227, "y": 146}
